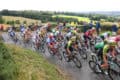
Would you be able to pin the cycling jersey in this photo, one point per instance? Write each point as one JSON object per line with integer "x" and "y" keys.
{"x": 105, "y": 34}
{"x": 87, "y": 33}
{"x": 105, "y": 49}
{"x": 50, "y": 40}
{"x": 12, "y": 33}
{"x": 115, "y": 38}
{"x": 68, "y": 34}
{"x": 22, "y": 29}
{"x": 69, "y": 44}
{"x": 99, "y": 45}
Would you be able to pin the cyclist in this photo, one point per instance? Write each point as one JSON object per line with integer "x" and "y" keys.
{"x": 88, "y": 35}
{"x": 99, "y": 49}
{"x": 106, "y": 35}
{"x": 70, "y": 46}
{"x": 51, "y": 41}
{"x": 11, "y": 32}
{"x": 42, "y": 32}
{"x": 109, "y": 48}
{"x": 27, "y": 34}
{"x": 68, "y": 35}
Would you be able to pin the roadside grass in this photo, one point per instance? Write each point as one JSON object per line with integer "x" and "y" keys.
{"x": 8, "y": 69}
{"x": 32, "y": 66}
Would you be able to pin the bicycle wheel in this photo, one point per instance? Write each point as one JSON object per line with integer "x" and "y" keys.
{"x": 36, "y": 46}
{"x": 83, "y": 54}
{"x": 51, "y": 53}
{"x": 94, "y": 58}
{"x": 92, "y": 48}
{"x": 65, "y": 56}
{"x": 114, "y": 70}
{"x": 113, "y": 75}
{"x": 93, "y": 66}
{"x": 42, "y": 49}
{"x": 59, "y": 56}
{"x": 77, "y": 62}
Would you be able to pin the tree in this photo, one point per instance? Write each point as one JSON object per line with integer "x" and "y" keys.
{"x": 1, "y": 20}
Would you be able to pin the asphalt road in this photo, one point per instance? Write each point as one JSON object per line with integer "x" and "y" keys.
{"x": 83, "y": 73}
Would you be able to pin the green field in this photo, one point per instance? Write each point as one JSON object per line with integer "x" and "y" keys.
{"x": 76, "y": 17}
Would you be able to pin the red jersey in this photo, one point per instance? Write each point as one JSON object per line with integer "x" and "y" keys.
{"x": 88, "y": 33}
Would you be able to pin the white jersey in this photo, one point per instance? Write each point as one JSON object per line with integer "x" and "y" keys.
{"x": 68, "y": 34}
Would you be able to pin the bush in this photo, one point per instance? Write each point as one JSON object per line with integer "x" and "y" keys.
{"x": 2, "y": 20}
{"x": 1, "y": 37}
{"x": 17, "y": 22}
{"x": 81, "y": 28}
{"x": 24, "y": 22}
{"x": 106, "y": 26}
{"x": 10, "y": 22}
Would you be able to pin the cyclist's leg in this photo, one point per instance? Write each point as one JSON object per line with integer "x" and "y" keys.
{"x": 99, "y": 54}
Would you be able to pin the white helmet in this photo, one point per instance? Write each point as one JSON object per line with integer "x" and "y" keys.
{"x": 51, "y": 34}
{"x": 93, "y": 28}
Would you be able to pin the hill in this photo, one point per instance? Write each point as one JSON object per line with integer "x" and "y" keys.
{"x": 23, "y": 64}
{"x": 21, "y": 19}
{"x": 76, "y": 17}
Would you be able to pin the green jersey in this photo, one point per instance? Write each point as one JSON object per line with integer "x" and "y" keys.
{"x": 99, "y": 45}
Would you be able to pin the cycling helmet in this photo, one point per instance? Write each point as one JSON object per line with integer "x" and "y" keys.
{"x": 102, "y": 37}
{"x": 53, "y": 30}
{"x": 112, "y": 43}
{"x": 73, "y": 38}
{"x": 93, "y": 29}
{"x": 73, "y": 32}
{"x": 105, "y": 41}
{"x": 57, "y": 32}
{"x": 50, "y": 36}
{"x": 109, "y": 33}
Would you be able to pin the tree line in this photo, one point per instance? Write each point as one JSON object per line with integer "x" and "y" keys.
{"x": 46, "y": 16}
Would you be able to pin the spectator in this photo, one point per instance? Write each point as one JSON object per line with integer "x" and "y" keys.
{"x": 1, "y": 27}
{"x": 90, "y": 25}
{"x": 84, "y": 27}
{"x": 98, "y": 27}
{"x": 64, "y": 24}
{"x": 114, "y": 29}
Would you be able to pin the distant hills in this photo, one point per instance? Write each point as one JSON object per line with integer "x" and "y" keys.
{"x": 109, "y": 13}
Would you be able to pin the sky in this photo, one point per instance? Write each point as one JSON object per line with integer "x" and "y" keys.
{"x": 61, "y": 5}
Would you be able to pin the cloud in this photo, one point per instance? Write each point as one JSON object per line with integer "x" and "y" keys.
{"x": 61, "y": 5}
